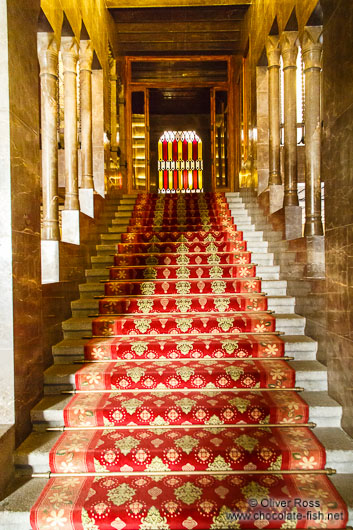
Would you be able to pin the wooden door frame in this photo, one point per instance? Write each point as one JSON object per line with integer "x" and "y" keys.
{"x": 228, "y": 86}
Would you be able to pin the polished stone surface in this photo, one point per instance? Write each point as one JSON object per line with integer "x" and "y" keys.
{"x": 338, "y": 177}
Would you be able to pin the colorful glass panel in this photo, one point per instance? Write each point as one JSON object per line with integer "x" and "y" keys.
{"x": 180, "y": 164}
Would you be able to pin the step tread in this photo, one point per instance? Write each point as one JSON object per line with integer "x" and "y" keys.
{"x": 64, "y": 373}
{"x": 37, "y": 445}
{"x": 14, "y": 509}
{"x": 56, "y": 403}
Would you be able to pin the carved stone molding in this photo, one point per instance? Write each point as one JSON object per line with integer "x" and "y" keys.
{"x": 289, "y": 48}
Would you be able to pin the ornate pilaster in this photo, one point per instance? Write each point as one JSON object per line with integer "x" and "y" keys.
{"x": 48, "y": 61}
{"x": 312, "y": 57}
{"x": 273, "y": 58}
{"x": 289, "y": 51}
{"x": 86, "y": 58}
{"x": 69, "y": 51}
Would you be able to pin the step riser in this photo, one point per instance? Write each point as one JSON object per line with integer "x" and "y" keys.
{"x": 79, "y": 312}
{"x": 39, "y": 463}
{"x": 312, "y": 385}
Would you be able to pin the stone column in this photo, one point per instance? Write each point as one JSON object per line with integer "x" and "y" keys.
{"x": 122, "y": 139}
{"x": 312, "y": 52}
{"x": 86, "y": 58}
{"x": 273, "y": 57}
{"x": 69, "y": 51}
{"x": 292, "y": 210}
{"x": 289, "y": 53}
{"x": 70, "y": 214}
{"x": 113, "y": 106}
{"x": 48, "y": 61}
{"x": 86, "y": 191}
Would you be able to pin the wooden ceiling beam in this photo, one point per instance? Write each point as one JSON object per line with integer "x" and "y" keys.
{"x": 178, "y": 15}
{"x": 134, "y": 4}
{"x": 177, "y": 37}
{"x": 135, "y": 48}
{"x": 177, "y": 27}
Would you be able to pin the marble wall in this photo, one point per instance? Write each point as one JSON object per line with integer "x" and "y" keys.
{"x": 25, "y": 214}
{"x": 337, "y": 172}
{"x": 327, "y": 303}
{"x": 25, "y": 345}
{"x": 74, "y": 260}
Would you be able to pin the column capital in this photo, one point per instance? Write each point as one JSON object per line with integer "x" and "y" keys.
{"x": 47, "y": 53}
{"x": 273, "y": 51}
{"x": 69, "y": 52}
{"x": 312, "y": 47}
{"x": 112, "y": 66}
{"x": 289, "y": 48}
{"x": 86, "y": 55}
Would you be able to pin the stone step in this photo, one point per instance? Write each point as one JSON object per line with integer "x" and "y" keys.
{"x": 263, "y": 258}
{"x": 89, "y": 306}
{"x": 105, "y": 249}
{"x": 301, "y": 347}
{"x": 234, "y": 200}
{"x": 90, "y": 289}
{"x": 311, "y": 375}
{"x": 323, "y": 410}
{"x": 116, "y": 229}
{"x": 281, "y": 302}
{"x": 127, "y": 200}
{"x": 33, "y": 454}
{"x": 257, "y": 246}
{"x": 270, "y": 287}
{"x": 121, "y": 221}
{"x": 96, "y": 274}
{"x": 274, "y": 287}
{"x": 338, "y": 446}
{"x": 125, "y": 208}
{"x": 82, "y": 326}
{"x": 266, "y": 272}
{"x": 104, "y": 260}
{"x": 111, "y": 238}
{"x": 15, "y": 508}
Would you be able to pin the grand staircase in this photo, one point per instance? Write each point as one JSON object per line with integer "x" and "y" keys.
{"x": 184, "y": 393}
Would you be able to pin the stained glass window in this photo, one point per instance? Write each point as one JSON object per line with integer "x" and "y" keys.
{"x": 180, "y": 163}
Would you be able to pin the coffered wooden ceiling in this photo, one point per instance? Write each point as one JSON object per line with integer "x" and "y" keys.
{"x": 178, "y": 27}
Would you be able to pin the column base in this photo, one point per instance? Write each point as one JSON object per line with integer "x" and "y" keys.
{"x": 50, "y": 261}
{"x": 86, "y": 197}
{"x": 315, "y": 252}
{"x": 293, "y": 220}
{"x": 276, "y": 197}
{"x": 70, "y": 231}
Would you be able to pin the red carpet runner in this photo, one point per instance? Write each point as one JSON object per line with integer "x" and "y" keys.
{"x": 187, "y": 412}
